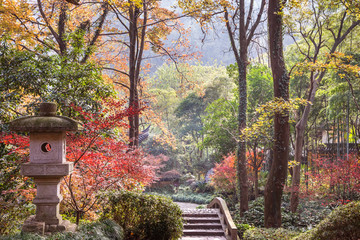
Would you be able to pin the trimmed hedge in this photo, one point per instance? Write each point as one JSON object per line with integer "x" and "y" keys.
{"x": 145, "y": 216}
{"x": 342, "y": 223}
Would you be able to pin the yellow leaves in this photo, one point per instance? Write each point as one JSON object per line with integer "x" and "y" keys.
{"x": 293, "y": 163}
{"x": 339, "y": 62}
{"x": 266, "y": 112}
{"x": 204, "y": 10}
{"x": 279, "y": 105}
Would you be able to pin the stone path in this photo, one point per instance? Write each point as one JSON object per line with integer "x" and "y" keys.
{"x": 185, "y": 206}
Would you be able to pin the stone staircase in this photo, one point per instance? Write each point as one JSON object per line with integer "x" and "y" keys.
{"x": 202, "y": 224}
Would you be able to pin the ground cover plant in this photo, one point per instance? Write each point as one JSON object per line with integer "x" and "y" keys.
{"x": 342, "y": 223}
{"x": 103, "y": 229}
{"x": 310, "y": 214}
{"x": 200, "y": 193}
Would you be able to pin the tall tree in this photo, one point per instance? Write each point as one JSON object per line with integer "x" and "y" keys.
{"x": 241, "y": 23}
{"x": 318, "y": 32}
{"x": 277, "y": 176}
{"x": 141, "y": 26}
{"x": 246, "y": 32}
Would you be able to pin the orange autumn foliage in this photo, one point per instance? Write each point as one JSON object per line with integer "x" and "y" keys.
{"x": 224, "y": 177}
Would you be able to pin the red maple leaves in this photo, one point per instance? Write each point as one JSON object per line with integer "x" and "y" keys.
{"x": 101, "y": 157}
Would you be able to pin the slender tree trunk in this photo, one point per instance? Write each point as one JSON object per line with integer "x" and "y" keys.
{"x": 256, "y": 175}
{"x": 61, "y": 27}
{"x": 241, "y": 152}
{"x": 133, "y": 99}
{"x": 299, "y": 143}
{"x": 277, "y": 176}
{"x": 246, "y": 33}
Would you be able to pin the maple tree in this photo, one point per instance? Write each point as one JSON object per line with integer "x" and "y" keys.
{"x": 223, "y": 177}
{"x": 100, "y": 156}
{"x": 15, "y": 191}
{"x": 117, "y": 48}
{"x": 49, "y": 23}
{"x": 332, "y": 181}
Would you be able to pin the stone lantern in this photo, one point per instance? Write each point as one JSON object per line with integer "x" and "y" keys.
{"x": 47, "y": 166}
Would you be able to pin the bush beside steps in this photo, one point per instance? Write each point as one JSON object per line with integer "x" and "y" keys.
{"x": 145, "y": 217}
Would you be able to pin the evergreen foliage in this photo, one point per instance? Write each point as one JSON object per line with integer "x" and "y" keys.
{"x": 146, "y": 217}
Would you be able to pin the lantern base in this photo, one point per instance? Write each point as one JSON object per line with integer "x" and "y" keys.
{"x": 31, "y": 225}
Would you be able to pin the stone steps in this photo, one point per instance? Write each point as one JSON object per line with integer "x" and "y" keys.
{"x": 203, "y": 232}
{"x": 202, "y": 224}
{"x": 201, "y": 220}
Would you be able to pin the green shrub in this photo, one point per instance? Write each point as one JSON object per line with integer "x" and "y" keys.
{"x": 269, "y": 234}
{"x": 104, "y": 229}
{"x": 15, "y": 205}
{"x": 242, "y": 228}
{"x": 202, "y": 187}
{"x": 199, "y": 198}
{"x": 146, "y": 216}
{"x": 342, "y": 223}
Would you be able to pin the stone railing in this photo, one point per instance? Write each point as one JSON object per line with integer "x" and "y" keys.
{"x": 226, "y": 219}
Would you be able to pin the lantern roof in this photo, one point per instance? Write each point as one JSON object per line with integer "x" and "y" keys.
{"x": 46, "y": 121}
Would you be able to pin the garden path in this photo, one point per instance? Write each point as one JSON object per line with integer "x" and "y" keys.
{"x": 185, "y": 205}
{"x": 190, "y": 208}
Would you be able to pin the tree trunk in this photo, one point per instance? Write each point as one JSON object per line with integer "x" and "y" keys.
{"x": 133, "y": 99}
{"x": 241, "y": 152}
{"x": 278, "y": 172}
{"x": 256, "y": 175}
{"x": 299, "y": 143}
{"x": 246, "y": 34}
{"x": 61, "y": 28}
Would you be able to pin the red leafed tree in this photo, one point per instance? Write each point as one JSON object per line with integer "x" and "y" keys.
{"x": 100, "y": 156}
{"x": 102, "y": 160}
{"x": 224, "y": 176}
{"x": 334, "y": 179}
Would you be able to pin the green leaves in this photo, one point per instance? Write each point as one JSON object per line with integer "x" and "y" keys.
{"x": 146, "y": 216}
{"x": 262, "y": 126}
{"x": 37, "y": 77}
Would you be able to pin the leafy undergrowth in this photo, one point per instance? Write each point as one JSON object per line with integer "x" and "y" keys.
{"x": 309, "y": 215}
{"x": 104, "y": 229}
{"x": 185, "y": 194}
{"x": 269, "y": 234}
{"x": 343, "y": 223}
{"x": 199, "y": 198}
